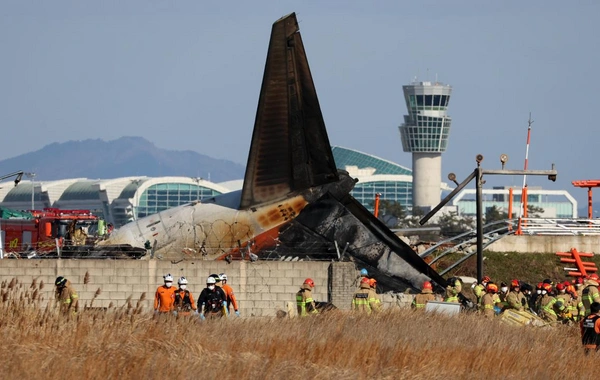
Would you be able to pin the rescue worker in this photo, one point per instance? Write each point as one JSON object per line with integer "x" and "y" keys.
{"x": 565, "y": 297}
{"x": 212, "y": 301}
{"x": 479, "y": 289}
{"x": 304, "y": 301}
{"x": 374, "y": 300}
{"x": 452, "y": 290}
{"x": 537, "y": 299}
{"x": 66, "y": 296}
{"x": 425, "y": 296}
{"x": 590, "y": 294}
{"x": 230, "y": 297}
{"x": 184, "y": 300}
{"x": 549, "y": 305}
{"x": 515, "y": 299}
{"x": 503, "y": 293}
{"x": 573, "y": 306}
{"x": 165, "y": 296}
{"x": 579, "y": 289}
{"x": 490, "y": 300}
{"x": 362, "y": 301}
{"x": 590, "y": 329}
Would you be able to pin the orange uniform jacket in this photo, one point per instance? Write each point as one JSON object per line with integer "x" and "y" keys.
{"x": 164, "y": 298}
{"x": 230, "y": 297}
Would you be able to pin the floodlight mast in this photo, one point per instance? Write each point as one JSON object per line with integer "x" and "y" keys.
{"x": 478, "y": 173}
{"x": 19, "y": 175}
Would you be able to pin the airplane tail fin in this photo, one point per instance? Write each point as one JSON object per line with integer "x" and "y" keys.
{"x": 290, "y": 150}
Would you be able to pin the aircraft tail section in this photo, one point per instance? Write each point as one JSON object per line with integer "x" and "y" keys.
{"x": 290, "y": 150}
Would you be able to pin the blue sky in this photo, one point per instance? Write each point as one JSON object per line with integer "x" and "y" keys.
{"x": 186, "y": 75}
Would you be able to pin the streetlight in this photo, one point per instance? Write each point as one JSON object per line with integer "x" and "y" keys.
{"x": 31, "y": 176}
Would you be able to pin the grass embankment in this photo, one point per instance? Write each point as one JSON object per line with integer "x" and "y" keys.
{"x": 130, "y": 343}
{"x": 529, "y": 267}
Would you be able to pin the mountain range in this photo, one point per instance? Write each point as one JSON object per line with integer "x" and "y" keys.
{"x": 123, "y": 157}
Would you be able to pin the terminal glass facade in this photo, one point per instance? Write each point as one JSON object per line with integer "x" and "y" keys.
{"x": 162, "y": 196}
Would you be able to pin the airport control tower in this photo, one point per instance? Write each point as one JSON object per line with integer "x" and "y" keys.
{"x": 425, "y": 134}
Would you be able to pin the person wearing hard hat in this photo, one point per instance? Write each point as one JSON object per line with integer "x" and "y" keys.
{"x": 304, "y": 301}
{"x": 590, "y": 294}
{"x": 374, "y": 300}
{"x": 184, "y": 300}
{"x": 479, "y": 289}
{"x": 425, "y": 296}
{"x": 515, "y": 299}
{"x": 490, "y": 301}
{"x": 549, "y": 305}
{"x": 231, "y": 301}
{"x": 361, "y": 298}
{"x": 590, "y": 329}
{"x": 66, "y": 296}
{"x": 212, "y": 301}
{"x": 165, "y": 295}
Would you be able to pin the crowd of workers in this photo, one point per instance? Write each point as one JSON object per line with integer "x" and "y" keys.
{"x": 217, "y": 300}
{"x": 576, "y": 301}
{"x": 563, "y": 302}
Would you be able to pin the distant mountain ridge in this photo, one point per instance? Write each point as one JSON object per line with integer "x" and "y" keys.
{"x": 126, "y": 156}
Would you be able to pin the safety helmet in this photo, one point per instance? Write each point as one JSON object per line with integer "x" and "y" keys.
{"x": 211, "y": 280}
{"x": 567, "y": 283}
{"x": 182, "y": 281}
{"x": 539, "y": 285}
{"x": 168, "y": 278}
{"x": 223, "y": 276}
{"x": 560, "y": 286}
{"x": 579, "y": 281}
{"x": 427, "y": 285}
{"x": 547, "y": 287}
{"x": 372, "y": 282}
{"x": 486, "y": 279}
{"x": 365, "y": 280}
{"x": 216, "y": 277}
{"x": 594, "y": 277}
{"x": 363, "y": 272}
{"x": 548, "y": 281}
{"x": 492, "y": 288}
{"x": 309, "y": 282}
{"x": 515, "y": 283}
{"x": 60, "y": 281}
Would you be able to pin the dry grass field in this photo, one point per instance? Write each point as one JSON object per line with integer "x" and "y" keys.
{"x": 130, "y": 343}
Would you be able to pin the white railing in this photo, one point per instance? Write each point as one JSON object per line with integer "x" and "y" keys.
{"x": 547, "y": 226}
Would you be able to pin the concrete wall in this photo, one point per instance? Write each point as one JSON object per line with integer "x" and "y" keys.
{"x": 261, "y": 287}
{"x": 545, "y": 244}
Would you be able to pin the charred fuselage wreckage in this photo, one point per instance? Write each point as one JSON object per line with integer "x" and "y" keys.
{"x": 294, "y": 200}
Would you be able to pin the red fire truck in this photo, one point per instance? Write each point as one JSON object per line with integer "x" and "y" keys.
{"x": 42, "y": 230}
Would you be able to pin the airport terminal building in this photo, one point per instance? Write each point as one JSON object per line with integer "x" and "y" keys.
{"x": 121, "y": 200}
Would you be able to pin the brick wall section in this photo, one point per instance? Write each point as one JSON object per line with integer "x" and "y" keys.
{"x": 343, "y": 282}
{"x": 261, "y": 287}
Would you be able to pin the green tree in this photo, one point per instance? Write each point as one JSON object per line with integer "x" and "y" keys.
{"x": 451, "y": 224}
{"x": 391, "y": 212}
{"x": 534, "y": 211}
{"x": 494, "y": 214}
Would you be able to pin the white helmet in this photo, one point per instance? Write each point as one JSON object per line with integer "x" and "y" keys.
{"x": 182, "y": 281}
{"x": 168, "y": 277}
{"x": 223, "y": 276}
{"x": 211, "y": 280}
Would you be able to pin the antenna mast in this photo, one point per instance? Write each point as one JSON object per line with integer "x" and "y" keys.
{"x": 523, "y": 208}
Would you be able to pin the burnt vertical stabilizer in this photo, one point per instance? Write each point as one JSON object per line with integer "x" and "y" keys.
{"x": 290, "y": 150}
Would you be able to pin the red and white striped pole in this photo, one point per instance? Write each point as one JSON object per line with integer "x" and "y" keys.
{"x": 523, "y": 191}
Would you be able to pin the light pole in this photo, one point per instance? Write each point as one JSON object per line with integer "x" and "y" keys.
{"x": 31, "y": 176}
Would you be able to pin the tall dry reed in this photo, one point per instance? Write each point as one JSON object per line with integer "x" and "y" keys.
{"x": 129, "y": 343}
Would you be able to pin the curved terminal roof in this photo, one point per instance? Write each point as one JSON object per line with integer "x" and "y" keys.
{"x": 345, "y": 157}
